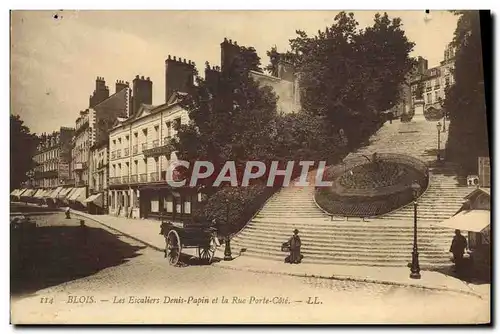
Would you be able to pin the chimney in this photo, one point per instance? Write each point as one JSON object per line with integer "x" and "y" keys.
{"x": 120, "y": 85}
{"x": 100, "y": 94}
{"x": 142, "y": 93}
{"x": 179, "y": 75}
{"x": 228, "y": 53}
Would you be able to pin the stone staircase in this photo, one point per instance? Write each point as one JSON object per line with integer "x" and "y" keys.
{"x": 379, "y": 241}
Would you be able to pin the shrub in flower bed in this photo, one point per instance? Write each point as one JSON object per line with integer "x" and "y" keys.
{"x": 233, "y": 207}
{"x": 371, "y": 189}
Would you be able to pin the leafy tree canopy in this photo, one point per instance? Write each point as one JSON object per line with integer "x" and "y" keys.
{"x": 22, "y": 148}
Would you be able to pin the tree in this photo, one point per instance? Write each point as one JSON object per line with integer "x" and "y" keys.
{"x": 232, "y": 120}
{"x": 465, "y": 100}
{"x": 350, "y": 76}
{"x": 22, "y": 149}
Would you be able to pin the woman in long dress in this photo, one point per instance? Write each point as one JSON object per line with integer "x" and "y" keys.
{"x": 295, "y": 244}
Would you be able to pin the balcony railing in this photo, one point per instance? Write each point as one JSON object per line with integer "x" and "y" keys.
{"x": 118, "y": 154}
{"x": 156, "y": 143}
{"x": 134, "y": 149}
{"x": 143, "y": 177}
{"x": 437, "y": 86}
{"x": 144, "y": 146}
{"x": 114, "y": 180}
{"x": 125, "y": 179}
{"x": 113, "y": 155}
{"x": 428, "y": 88}
{"x": 133, "y": 178}
{"x": 126, "y": 152}
{"x": 153, "y": 177}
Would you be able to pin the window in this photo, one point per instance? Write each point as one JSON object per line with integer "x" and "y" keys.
{"x": 135, "y": 167}
{"x": 429, "y": 98}
{"x": 157, "y": 132}
{"x": 436, "y": 96}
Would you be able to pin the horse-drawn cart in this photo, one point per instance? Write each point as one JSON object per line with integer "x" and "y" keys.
{"x": 177, "y": 236}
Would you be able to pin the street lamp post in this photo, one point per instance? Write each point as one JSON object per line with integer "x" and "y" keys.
{"x": 227, "y": 249}
{"x": 438, "y": 126}
{"x": 415, "y": 267}
{"x": 444, "y": 113}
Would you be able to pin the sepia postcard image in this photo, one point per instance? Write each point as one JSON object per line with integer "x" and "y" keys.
{"x": 249, "y": 167}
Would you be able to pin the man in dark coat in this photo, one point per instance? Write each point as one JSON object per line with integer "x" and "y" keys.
{"x": 295, "y": 244}
{"x": 458, "y": 246}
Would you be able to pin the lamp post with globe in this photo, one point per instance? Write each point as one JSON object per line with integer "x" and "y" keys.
{"x": 438, "y": 126}
{"x": 415, "y": 267}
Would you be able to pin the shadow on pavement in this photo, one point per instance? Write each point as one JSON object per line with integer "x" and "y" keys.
{"x": 45, "y": 256}
{"x": 468, "y": 275}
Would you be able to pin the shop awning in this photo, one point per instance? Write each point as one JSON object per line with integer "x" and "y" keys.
{"x": 28, "y": 193}
{"x": 64, "y": 192}
{"x": 96, "y": 199}
{"x": 14, "y": 192}
{"x": 54, "y": 193}
{"x": 78, "y": 195}
{"x": 21, "y": 191}
{"x": 38, "y": 193}
{"x": 468, "y": 220}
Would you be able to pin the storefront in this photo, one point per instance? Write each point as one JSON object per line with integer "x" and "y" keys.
{"x": 95, "y": 204}
{"x": 163, "y": 202}
{"x": 475, "y": 218}
{"x": 77, "y": 197}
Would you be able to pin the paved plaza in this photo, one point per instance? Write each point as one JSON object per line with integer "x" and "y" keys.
{"x": 132, "y": 271}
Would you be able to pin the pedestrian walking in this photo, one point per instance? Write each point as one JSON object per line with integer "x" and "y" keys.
{"x": 458, "y": 247}
{"x": 295, "y": 243}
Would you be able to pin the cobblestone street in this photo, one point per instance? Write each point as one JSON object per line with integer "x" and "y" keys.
{"x": 135, "y": 289}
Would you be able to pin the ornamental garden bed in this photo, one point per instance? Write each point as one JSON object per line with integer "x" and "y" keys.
{"x": 370, "y": 189}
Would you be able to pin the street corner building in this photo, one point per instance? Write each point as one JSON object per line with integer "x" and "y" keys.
{"x": 140, "y": 151}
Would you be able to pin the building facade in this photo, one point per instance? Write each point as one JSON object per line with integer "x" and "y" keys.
{"x": 93, "y": 124}
{"x": 98, "y": 180}
{"x": 140, "y": 155}
{"x": 53, "y": 159}
{"x": 432, "y": 82}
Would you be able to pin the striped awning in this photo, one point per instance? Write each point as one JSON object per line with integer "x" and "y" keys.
{"x": 15, "y": 192}
{"x": 64, "y": 192}
{"x": 97, "y": 199}
{"x": 54, "y": 193}
{"x": 28, "y": 193}
{"x": 78, "y": 195}
{"x": 38, "y": 193}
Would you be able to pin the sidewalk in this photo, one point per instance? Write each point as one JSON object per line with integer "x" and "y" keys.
{"x": 147, "y": 232}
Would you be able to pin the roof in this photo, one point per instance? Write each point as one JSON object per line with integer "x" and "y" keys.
{"x": 468, "y": 220}
{"x": 147, "y": 109}
{"x": 478, "y": 191}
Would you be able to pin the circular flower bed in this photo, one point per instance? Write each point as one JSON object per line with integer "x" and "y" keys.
{"x": 374, "y": 175}
{"x": 372, "y": 188}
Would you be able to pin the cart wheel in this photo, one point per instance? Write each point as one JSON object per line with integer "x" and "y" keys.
{"x": 206, "y": 252}
{"x": 173, "y": 247}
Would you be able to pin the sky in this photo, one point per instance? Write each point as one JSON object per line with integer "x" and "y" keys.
{"x": 55, "y": 61}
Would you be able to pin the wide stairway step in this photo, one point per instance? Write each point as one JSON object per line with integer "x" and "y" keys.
{"x": 386, "y": 240}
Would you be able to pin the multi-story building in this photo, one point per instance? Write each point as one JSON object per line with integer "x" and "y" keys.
{"x": 140, "y": 153}
{"x": 93, "y": 124}
{"x": 53, "y": 159}
{"x": 432, "y": 82}
{"x": 98, "y": 178}
{"x": 83, "y": 139}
